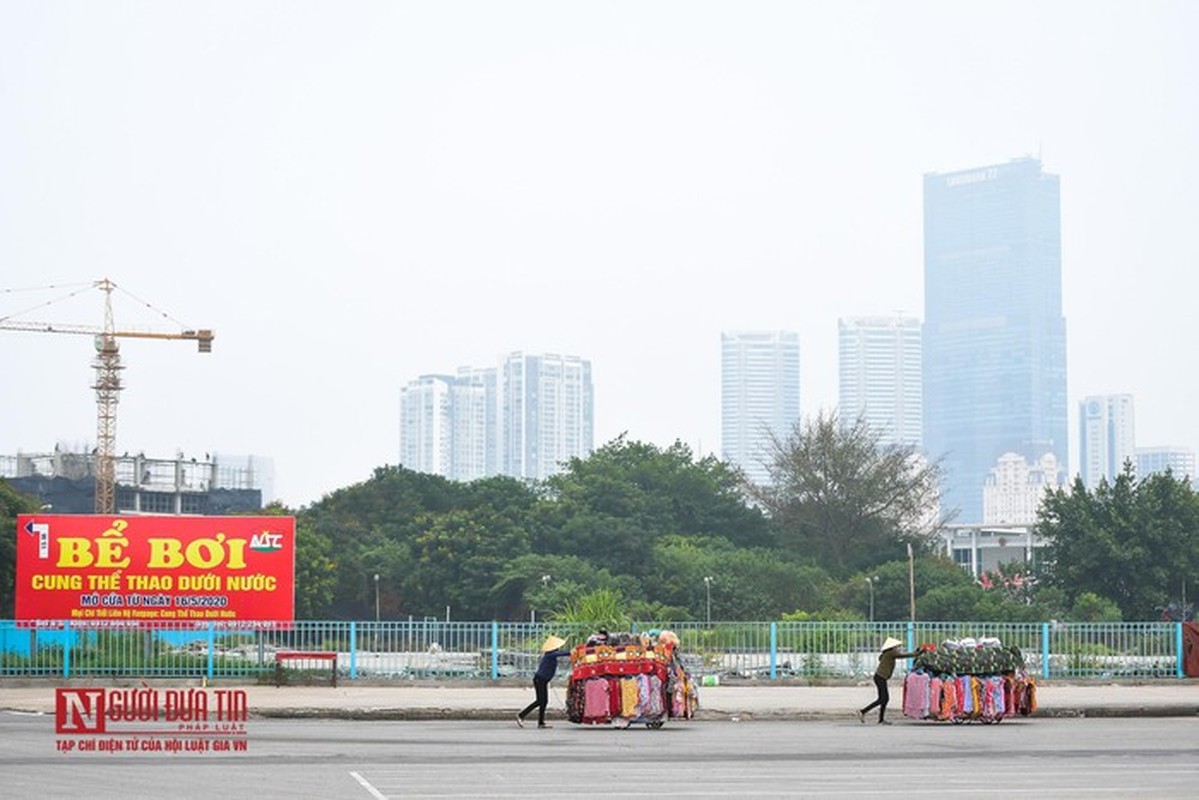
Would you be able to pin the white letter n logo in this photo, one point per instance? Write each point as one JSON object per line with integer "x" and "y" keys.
{"x": 79, "y": 711}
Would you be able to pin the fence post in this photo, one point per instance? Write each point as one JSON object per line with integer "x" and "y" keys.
{"x": 1179, "y": 652}
{"x": 211, "y": 646}
{"x": 66, "y": 649}
{"x": 774, "y": 649}
{"x": 495, "y": 650}
{"x": 911, "y": 636}
{"x": 354, "y": 649}
{"x": 1045, "y": 650}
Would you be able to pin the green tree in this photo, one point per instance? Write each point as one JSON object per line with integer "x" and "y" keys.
{"x": 373, "y": 529}
{"x": 12, "y": 503}
{"x": 755, "y": 584}
{"x": 603, "y": 608}
{"x": 611, "y": 507}
{"x": 1130, "y": 541}
{"x": 1090, "y": 607}
{"x": 837, "y": 495}
{"x": 944, "y": 591}
{"x": 457, "y": 559}
{"x": 548, "y": 583}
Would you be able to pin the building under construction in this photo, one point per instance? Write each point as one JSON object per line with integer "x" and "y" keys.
{"x": 65, "y": 481}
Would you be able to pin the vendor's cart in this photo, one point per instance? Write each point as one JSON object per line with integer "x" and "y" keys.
{"x": 630, "y": 679}
{"x": 963, "y": 680}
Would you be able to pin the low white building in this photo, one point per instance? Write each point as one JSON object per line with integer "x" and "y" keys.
{"x": 984, "y": 548}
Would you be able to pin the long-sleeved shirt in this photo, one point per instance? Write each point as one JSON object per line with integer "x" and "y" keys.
{"x": 549, "y": 664}
{"x": 887, "y": 659}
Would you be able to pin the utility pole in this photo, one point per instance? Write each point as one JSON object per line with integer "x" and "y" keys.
{"x": 708, "y": 588}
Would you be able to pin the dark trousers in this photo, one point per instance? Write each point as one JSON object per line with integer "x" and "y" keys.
{"x": 884, "y": 697}
{"x": 542, "y": 689}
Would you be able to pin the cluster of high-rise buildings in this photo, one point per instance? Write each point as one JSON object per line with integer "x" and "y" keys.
{"x": 979, "y": 385}
{"x": 525, "y": 417}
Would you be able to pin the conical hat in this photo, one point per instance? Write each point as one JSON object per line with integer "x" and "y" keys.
{"x": 552, "y": 643}
{"x": 891, "y": 642}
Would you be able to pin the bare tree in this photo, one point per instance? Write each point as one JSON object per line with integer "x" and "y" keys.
{"x": 839, "y": 496}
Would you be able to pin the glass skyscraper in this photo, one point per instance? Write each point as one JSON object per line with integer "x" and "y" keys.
{"x": 994, "y": 335}
{"x": 759, "y": 396}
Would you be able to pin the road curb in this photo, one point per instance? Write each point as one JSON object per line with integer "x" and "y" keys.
{"x": 703, "y": 715}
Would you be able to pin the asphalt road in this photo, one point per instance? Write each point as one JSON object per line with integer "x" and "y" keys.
{"x": 1131, "y": 757}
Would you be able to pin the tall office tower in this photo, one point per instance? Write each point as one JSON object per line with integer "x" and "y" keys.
{"x": 880, "y": 378}
{"x": 443, "y": 426}
{"x": 1015, "y": 489}
{"x": 759, "y": 396}
{"x": 1106, "y": 437}
{"x": 994, "y": 335}
{"x": 1179, "y": 460}
{"x": 547, "y": 413}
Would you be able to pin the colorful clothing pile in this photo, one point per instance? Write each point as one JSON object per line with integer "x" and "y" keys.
{"x": 969, "y": 680}
{"x": 624, "y": 683}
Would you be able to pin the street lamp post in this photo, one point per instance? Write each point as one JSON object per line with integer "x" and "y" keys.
{"x": 911, "y": 583}
{"x": 708, "y": 591}
{"x": 545, "y": 582}
{"x": 870, "y": 585}
{"x": 376, "y": 597}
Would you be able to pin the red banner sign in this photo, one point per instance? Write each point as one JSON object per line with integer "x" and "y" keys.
{"x": 129, "y": 570}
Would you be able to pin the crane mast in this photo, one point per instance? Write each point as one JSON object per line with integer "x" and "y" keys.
{"x": 108, "y": 390}
{"x": 107, "y": 366}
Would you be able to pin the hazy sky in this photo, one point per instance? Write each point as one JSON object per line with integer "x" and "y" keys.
{"x": 353, "y": 194}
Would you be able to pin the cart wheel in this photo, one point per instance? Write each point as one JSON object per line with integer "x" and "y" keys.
{"x": 958, "y": 720}
{"x": 653, "y": 726}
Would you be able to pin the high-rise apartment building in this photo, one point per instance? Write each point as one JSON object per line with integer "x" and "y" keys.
{"x": 879, "y": 367}
{"x": 759, "y": 396}
{"x": 525, "y": 418}
{"x": 486, "y": 411}
{"x": 1106, "y": 437}
{"x": 994, "y": 336}
{"x": 546, "y": 413}
{"x": 426, "y": 424}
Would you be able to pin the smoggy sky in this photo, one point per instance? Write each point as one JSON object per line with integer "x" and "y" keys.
{"x": 354, "y": 193}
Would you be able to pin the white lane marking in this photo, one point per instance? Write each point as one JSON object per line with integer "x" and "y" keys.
{"x": 375, "y": 793}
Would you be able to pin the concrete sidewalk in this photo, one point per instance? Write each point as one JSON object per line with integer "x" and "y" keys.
{"x": 745, "y": 702}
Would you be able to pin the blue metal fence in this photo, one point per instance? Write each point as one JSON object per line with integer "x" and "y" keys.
{"x": 434, "y": 649}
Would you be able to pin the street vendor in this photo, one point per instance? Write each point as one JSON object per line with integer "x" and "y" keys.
{"x": 891, "y": 653}
{"x": 551, "y": 651}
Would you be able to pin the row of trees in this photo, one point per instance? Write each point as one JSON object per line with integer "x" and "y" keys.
{"x": 660, "y": 533}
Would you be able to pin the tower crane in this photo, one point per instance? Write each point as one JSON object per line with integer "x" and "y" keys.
{"x": 107, "y": 365}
